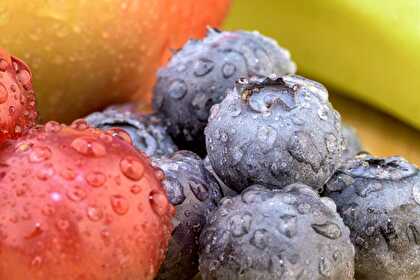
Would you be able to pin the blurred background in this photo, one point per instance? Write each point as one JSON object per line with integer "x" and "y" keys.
{"x": 86, "y": 55}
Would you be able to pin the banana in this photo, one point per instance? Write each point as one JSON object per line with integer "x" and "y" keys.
{"x": 369, "y": 49}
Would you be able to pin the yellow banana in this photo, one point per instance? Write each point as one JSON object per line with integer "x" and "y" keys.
{"x": 369, "y": 49}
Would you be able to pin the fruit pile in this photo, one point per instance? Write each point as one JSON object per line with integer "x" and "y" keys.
{"x": 243, "y": 171}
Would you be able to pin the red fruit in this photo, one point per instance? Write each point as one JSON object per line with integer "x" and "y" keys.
{"x": 17, "y": 99}
{"x": 79, "y": 203}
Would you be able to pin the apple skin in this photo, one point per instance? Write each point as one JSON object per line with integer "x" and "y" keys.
{"x": 86, "y": 54}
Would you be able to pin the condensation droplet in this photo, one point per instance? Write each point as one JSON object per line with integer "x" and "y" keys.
{"x": 39, "y": 154}
{"x": 119, "y": 204}
{"x": 88, "y": 147}
{"x": 76, "y": 194}
{"x": 3, "y": 94}
{"x": 96, "y": 179}
{"x": 158, "y": 202}
{"x": 328, "y": 230}
{"x": 94, "y": 214}
{"x": 177, "y": 89}
{"x": 132, "y": 168}
{"x": 416, "y": 193}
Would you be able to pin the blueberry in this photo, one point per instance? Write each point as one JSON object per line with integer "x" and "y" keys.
{"x": 194, "y": 192}
{"x": 275, "y": 132}
{"x": 226, "y": 191}
{"x": 276, "y": 234}
{"x": 198, "y": 75}
{"x": 147, "y": 132}
{"x": 379, "y": 200}
{"x": 352, "y": 142}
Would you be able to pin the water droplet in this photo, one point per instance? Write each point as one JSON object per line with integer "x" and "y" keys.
{"x": 68, "y": 174}
{"x": 135, "y": 189}
{"x": 119, "y": 204}
{"x": 25, "y": 78}
{"x": 158, "y": 202}
{"x": 364, "y": 190}
{"x": 416, "y": 193}
{"x": 331, "y": 143}
{"x": 94, "y": 214}
{"x": 88, "y": 147}
{"x": 37, "y": 261}
{"x": 48, "y": 210}
{"x": 76, "y": 194}
{"x": 288, "y": 225}
{"x": 39, "y": 154}
{"x": 267, "y": 136}
{"x": 120, "y": 133}
{"x": 237, "y": 155}
{"x": 177, "y": 89}
{"x": 63, "y": 224}
{"x": 45, "y": 172}
{"x": 329, "y": 203}
{"x": 228, "y": 69}
{"x": 159, "y": 174}
{"x": 80, "y": 124}
{"x": 13, "y": 88}
{"x": 323, "y": 113}
{"x": 96, "y": 179}
{"x": 23, "y": 147}
{"x": 337, "y": 256}
{"x": 325, "y": 267}
{"x": 235, "y": 109}
{"x": 240, "y": 224}
{"x": 199, "y": 190}
{"x": 35, "y": 232}
{"x": 224, "y": 137}
{"x": 132, "y": 168}
{"x": 328, "y": 230}
{"x": 259, "y": 239}
{"x": 3, "y": 94}
{"x": 202, "y": 67}
{"x": 413, "y": 234}
{"x": 301, "y": 146}
{"x": 3, "y": 65}
{"x": 52, "y": 126}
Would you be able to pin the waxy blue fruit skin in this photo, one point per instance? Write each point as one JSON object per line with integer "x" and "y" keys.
{"x": 147, "y": 131}
{"x": 275, "y": 131}
{"x": 198, "y": 75}
{"x": 194, "y": 192}
{"x": 379, "y": 200}
{"x": 276, "y": 235}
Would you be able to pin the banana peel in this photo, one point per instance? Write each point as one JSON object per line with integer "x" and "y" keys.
{"x": 369, "y": 49}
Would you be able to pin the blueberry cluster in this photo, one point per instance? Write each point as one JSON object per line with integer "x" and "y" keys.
{"x": 280, "y": 188}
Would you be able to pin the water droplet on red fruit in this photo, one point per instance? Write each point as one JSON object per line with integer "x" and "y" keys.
{"x": 3, "y": 94}
{"x": 24, "y": 77}
{"x": 88, "y": 147}
{"x": 96, "y": 179}
{"x": 76, "y": 194}
{"x": 52, "y": 126}
{"x": 94, "y": 214}
{"x": 3, "y": 65}
{"x": 68, "y": 174}
{"x": 158, "y": 202}
{"x": 36, "y": 231}
{"x": 63, "y": 224}
{"x": 80, "y": 124}
{"x": 135, "y": 189}
{"x": 120, "y": 133}
{"x": 119, "y": 204}
{"x": 39, "y": 154}
{"x": 132, "y": 168}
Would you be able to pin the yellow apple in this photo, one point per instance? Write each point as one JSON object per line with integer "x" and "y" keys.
{"x": 86, "y": 54}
